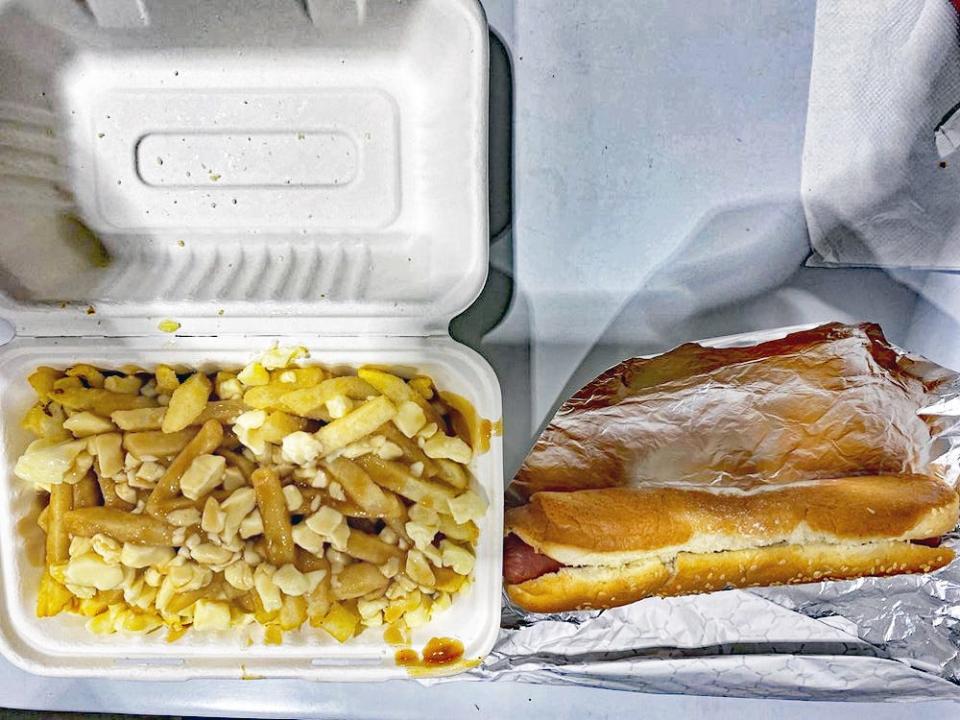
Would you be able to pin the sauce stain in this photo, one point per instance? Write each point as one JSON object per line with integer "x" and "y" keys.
{"x": 442, "y": 651}
{"x": 438, "y": 654}
{"x": 407, "y": 657}
{"x": 467, "y": 423}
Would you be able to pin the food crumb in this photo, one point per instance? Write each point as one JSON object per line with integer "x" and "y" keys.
{"x": 168, "y": 326}
{"x": 91, "y": 310}
{"x": 181, "y": 243}
{"x": 220, "y": 312}
{"x": 214, "y": 177}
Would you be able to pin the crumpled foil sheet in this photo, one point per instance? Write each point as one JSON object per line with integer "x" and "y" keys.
{"x": 894, "y": 638}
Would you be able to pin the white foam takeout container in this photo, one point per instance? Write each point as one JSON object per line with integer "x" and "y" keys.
{"x": 318, "y": 179}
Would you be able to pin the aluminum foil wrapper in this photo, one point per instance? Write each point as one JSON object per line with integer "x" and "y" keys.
{"x": 894, "y": 638}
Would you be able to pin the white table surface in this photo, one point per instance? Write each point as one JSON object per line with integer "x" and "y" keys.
{"x": 657, "y": 170}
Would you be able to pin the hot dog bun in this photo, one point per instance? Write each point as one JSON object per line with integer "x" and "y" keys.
{"x": 622, "y": 544}
{"x": 578, "y": 588}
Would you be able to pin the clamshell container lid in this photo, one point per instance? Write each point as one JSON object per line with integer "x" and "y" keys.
{"x": 307, "y": 172}
{"x": 285, "y": 166}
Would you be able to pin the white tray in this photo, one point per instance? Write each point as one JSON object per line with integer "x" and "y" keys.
{"x": 318, "y": 180}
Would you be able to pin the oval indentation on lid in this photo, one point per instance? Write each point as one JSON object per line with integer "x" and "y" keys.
{"x": 316, "y": 158}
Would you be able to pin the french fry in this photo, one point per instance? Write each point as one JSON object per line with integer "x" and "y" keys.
{"x": 47, "y": 421}
{"x": 129, "y": 384}
{"x": 139, "y": 420}
{"x": 154, "y": 443}
{"x": 319, "y": 601}
{"x": 293, "y": 613}
{"x": 68, "y": 383}
{"x": 239, "y": 461}
{"x": 398, "y": 391}
{"x": 411, "y": 451}
{"x": 467, "y": 423}
{"x": 447, "y": 580}
{"x": 370, "y": 548}
{"x": 299, "y": 376}
{"x": 230, "y": 440}
{"x": 308, "y": 402}
{"x": 223, "y": 411}
{"x": 58, "y": 539}
{"x": 245, "y": 602}
{"x": 273, "y": 512}
{"x": 180, "y": 502}
{"x": 356, "y": 580}
{"x": 467, "y": 532}
{"x": 187, "y": 403}
{"x": 360, "y": 488}
{"x": 423, "y": 385}
{"x": 42, "y": 517}
{"x": 109, "y": 457}
{"x": 167, "y": 380}
{"x": 267, "y": 397}
{"x": 181, "y": 601}
{"x": 42, "y": 380}
{"x": 452, "y": 473}
{"x": 398, "y": 525}
{"x": 344, "y": 507}
{"x": 109, "y": 493}
{"x": 52, "y": 597}
{"x": 121, "y": 526}
{"x": 93, "y": 377}
{"x": 86, "y": 493}
{"x": 280, "y": 424}
{"x": 356, "y": 425}
{"x": 100, "y": 402}
{"x": 396, "y": 477}
{"x": 306, "y": 561}
{"x": 205, "y": 441}
{"x": 417, "y": 568}
{"x": 85, "y": 423}
{"x": 341, "y": 621}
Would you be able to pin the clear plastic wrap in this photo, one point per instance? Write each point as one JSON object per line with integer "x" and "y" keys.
{"x": 828, "y": 402}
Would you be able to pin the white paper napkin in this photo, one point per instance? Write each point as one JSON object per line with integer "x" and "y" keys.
{"x": 885, "y": 75}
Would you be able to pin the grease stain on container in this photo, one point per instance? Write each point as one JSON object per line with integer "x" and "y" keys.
{"x": 87, "y": 243}
{"x": 246, "y": 675}
{"x": 440, "y": 655}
